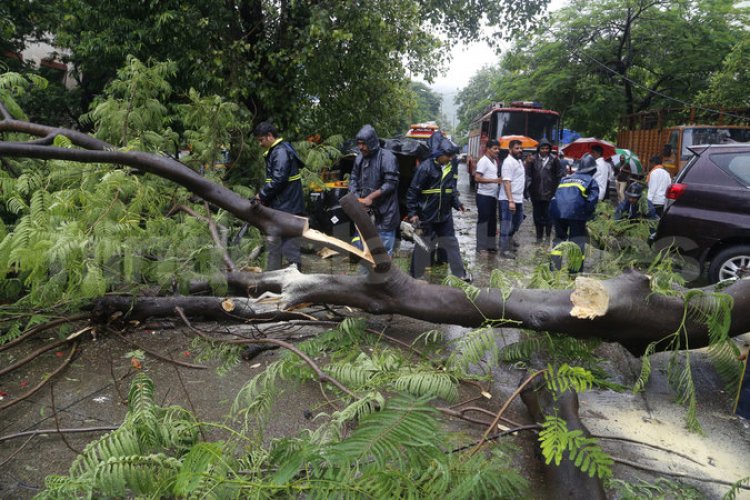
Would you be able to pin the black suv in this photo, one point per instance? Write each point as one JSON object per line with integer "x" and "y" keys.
{"x": 707, "y": 213}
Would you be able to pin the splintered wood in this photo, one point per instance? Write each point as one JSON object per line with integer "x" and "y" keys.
{"x": 590, "y": 299}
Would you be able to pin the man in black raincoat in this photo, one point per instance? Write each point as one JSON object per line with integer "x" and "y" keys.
{"x": 544, "y": 176}
{"x": 374, "y": 179}
{"x": 281, "y": 191}
{"x": 432, "y": 195}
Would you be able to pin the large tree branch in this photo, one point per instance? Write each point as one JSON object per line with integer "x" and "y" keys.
{"x": 269, "y": 221}
{"x": 622, "y": 309}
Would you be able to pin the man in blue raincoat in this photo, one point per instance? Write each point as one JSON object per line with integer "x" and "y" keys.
{"x": 572, "y": 206}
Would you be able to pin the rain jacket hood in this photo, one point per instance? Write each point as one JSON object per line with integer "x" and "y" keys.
{"x": 544, "y": 142}
{"x": 440, "y": 145}
{"x": 370, "y": 137}
{"x": 588, "y": 165}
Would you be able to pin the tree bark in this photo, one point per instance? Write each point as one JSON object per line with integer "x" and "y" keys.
{"x": 564, "y": 480}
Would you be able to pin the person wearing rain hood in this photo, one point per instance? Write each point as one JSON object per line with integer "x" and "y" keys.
{"x": 432, "y": 195}
{"x": 374, "y": 180}
{"x": 573, "y": 204}
{"x": 282, "y": 190}
{"x": 545, "y": 173}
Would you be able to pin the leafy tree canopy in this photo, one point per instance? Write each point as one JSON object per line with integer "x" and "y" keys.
{"x": 326, "y": 67}
{"x": 595, "y": 61}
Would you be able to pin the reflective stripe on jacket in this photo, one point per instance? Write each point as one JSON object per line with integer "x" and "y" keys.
{"x": 576, "y": 198}
{"x": 283, "y": 187}
{"x": 433, "y": 192}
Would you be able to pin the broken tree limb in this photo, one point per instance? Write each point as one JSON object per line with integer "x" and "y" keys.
{"x": 622, "y": 309}
{"x": 129, "y": 308}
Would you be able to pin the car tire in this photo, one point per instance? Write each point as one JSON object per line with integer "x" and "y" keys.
{"x": 730, "y": 263}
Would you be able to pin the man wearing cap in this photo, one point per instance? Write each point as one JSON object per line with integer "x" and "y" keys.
{"x": 374, "y": 179}
{"x": 632, "y": 208}
{"x": 432, "y": 195}
{"x": 281, "y": 191}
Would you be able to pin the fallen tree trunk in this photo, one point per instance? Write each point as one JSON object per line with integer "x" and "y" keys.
{"x": 622, "y": 309}
{"x": 618, "y": 310}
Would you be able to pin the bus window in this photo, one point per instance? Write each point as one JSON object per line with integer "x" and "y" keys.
{"x": 510, "y": 123}
{"x": 543, "y": 126}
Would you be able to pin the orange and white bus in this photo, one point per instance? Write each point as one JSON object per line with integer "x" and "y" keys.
{"x": 525, "y": 118}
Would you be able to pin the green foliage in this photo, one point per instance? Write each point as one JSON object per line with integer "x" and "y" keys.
{"x": 474, "y": 347}
{"x": 709, "y": 308}
{"x": 312, "y": 67}
{"x": 727, "y": 86}
{"x": 132, "y": 113}
{"x": 398, "y": 448}
{"x": 572, "y": 62}
{"x": 139, "y": 457}
{"x": 585, "y": 453}
{"x": 73, "y": 232}
{"x": 13, "y": 85}
{"x": 570, "y": 254}
{"x": 212, "y": 124}
{"x": 735, "y": 489}
{"x": 659, "y": 489}
{"x": 567, "y": 378}
{"x": 625, "y": 239}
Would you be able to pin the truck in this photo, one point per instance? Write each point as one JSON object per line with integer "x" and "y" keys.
{"x": 671, "y": 133}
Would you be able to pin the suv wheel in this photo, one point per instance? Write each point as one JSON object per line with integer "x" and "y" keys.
{"x": 732, "y": 262}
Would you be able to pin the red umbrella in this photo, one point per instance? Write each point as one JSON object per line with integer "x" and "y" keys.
{"x": 580, "y": 147}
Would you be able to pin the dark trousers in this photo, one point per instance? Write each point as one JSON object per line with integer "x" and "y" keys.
{"x": 486, "y": 222}
{"x": 659, "y": 210}
{"x": 509, "y": 223}
{"x": 542, "y": 220}
{"x": 442, "y": 234}
{"x": 286, "y": 247}
{"x": 569, "y": 230}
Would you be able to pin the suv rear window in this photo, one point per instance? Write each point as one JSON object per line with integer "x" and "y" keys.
{"x": 737, "y": 164}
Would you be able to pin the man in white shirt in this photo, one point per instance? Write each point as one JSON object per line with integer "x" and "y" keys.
{"x": 510, "y": 197}
{"x": 658, "y": 182}
{"x": 602, "y": 170}
{"x": 486, "y": 177}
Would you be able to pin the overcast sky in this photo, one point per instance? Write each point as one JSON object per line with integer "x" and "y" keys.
{"x": 467, "y": 59}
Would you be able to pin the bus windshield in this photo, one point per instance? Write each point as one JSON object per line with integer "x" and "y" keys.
{"x": 711, "y": 135}
{"x": 528, "y": 123}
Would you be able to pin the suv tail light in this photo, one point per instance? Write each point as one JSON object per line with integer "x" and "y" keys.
{"x": 674, "y": 191}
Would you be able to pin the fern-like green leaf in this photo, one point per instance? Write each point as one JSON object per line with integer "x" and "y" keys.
{"x": 423, "y": 383}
